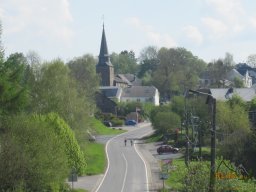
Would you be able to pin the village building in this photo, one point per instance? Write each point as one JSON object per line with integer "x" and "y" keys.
{"x": 119, "y": 87}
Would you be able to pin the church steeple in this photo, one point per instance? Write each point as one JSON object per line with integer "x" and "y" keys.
{"x": 104, "y": 58}
{"x": 104, "y": 66}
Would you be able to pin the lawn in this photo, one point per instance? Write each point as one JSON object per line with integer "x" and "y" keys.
{"x": 95, "y": 158}
{"x": 101, "y": 129}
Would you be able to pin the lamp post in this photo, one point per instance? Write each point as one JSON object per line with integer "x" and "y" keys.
{"x": 211, "y": 100}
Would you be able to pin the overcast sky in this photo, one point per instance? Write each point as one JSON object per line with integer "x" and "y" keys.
{"x": 70, "y": 28}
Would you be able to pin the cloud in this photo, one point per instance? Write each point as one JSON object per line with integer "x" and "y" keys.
{"x": 216, "y": 27}
{"x": 193, "y": 34}
{"x": 253, "y": 22}
{"x": 230, "y": 12}
{"x": 229, "y": 9}
{"x": 45, "y": 18}
{"x": 158, "y": 39}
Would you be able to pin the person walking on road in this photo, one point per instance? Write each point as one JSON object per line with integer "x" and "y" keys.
{"x": 131, "y": 142}
{"x": 125, "y": 141}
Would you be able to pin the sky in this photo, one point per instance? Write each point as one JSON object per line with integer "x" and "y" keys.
{"x": 71, "y": 28}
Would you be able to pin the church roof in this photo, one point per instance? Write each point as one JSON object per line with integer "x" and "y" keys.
{"x": 139, "y": 91}
{"x": 104, "y": 58}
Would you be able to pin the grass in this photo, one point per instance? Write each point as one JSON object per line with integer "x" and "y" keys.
{"x": 95, "y": 158}
{"x": 79, "y": 190}
{"x": 175, "y": 178}
{"x": 101, "y": 129}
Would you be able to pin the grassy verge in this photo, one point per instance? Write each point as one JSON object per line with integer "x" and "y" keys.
{"x": 175, "y": 178}
{"x": 95, "y": 152}
{"x": 95, "y": 158}
{"x": 101, "y": 129}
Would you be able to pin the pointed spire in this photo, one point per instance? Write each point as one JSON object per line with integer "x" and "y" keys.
{"x": 104, "y": 58}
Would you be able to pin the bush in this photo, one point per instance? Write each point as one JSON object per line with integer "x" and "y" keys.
{"x": 32, "y": 156}
{"x": 76, "y": 158}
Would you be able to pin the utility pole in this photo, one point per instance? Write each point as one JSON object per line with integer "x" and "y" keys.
{"x": 212, "y": 101}
{"x": 187, "y": 138}
{"x": 213, "y": 145}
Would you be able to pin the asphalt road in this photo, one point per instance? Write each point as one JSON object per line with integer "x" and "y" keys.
{"x": 126, "y": 169}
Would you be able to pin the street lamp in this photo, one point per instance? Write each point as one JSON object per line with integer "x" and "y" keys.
{"x": 211, "y": 100}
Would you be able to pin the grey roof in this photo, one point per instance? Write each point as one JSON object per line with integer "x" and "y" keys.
{"x": 135, "y": 81}
{"x": 247, "y": 94}
{"x": 232, "y": 74}
{"x": 139, "y": 91}
{"x": 120, "y": 78}
{"x": 111, "y": 91}
{"x": 104, "y": 58}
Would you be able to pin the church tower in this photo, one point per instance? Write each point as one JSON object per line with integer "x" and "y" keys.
{"x": 104, "y": 66}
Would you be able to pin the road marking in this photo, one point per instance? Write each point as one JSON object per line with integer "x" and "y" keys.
{"x": 106, "y": 150}
{"x": 125, "y": 174}
{"x": 141, "y": 157}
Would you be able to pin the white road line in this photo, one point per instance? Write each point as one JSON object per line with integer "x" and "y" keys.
{"x": 145, "y": 164}
{"x": 125, "y": 174}
{"x": 106, "y": 150}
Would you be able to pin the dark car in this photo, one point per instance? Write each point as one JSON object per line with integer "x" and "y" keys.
{"x": 130, "y": 122}
{"x": 107, "y": 123}
{"x": 167, "y": 149}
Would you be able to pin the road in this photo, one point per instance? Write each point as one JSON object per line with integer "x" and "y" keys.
{"x": 126, "y": 169}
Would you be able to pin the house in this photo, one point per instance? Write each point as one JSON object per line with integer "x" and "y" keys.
{"x": 142, "y": 94}
{"x": 121, "y": 87}
{"x": 243, "y": 68}
{"x": 224, "y": 94}
{"x": 246, "y": 78}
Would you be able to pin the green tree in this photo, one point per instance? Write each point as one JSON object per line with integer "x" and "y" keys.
{"x": 148, "y": 63}
{"x": 32, "y": 156}
{"x": 83, "y": 70}
{"x": 56, "y": 91}
{"x": 125, "y": 62}
{"x": 177, "y": 67}
{"x": 234, "y": 128}
{"x": 13, "y": 92}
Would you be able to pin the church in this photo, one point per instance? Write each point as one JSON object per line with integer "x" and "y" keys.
{"x": 120, "y": 87}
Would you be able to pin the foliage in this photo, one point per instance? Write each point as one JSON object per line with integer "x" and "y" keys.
{"x": 177, "y": 67}
{"x": 125, "y": 62}
{"x": 13, "y": 93}
{"x": 83, "y": 70}
{"x": 97, "y": 127}
{"x": 56, "y": 91}
{"x": 32, "y": 156}
{"x": 76, "y": 158}
{"x": 251, "y": 60}
{"x": 219, "y": 68}
{"x": 164, "y": 120}
{"x": 234, "y": 127}
{"x": 95, "y": 158}
{"x": 238, "y": 83}
{"x": 196, "y": 177}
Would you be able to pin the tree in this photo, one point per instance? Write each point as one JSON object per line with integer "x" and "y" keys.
{"x": 219, "y": 68}
{"x": 83, "y": 70}
{"x": 251, "y": 60}
{"x": 125, "y": 62}
{"x": 148, "y": 62}
{"x": 13, "y": 93}
{"x": 234, "y": 127}
{"x": 1, "y": 47}
{"x": 57, "y": 92}
{"x": 177, "y": 66}
{"x": 32, "y": 156}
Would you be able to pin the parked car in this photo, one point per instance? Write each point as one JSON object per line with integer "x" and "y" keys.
{"x": 107, "y": 123}
{"x": 167, "y": 149}
{"x": 130, "y": 122}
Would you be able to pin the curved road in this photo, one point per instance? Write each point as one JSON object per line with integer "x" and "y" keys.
{"x": 126, "y": 169}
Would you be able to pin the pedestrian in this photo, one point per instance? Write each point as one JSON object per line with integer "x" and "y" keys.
{"x": 131, "y": 142}
{"x": 125, "y": 141}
